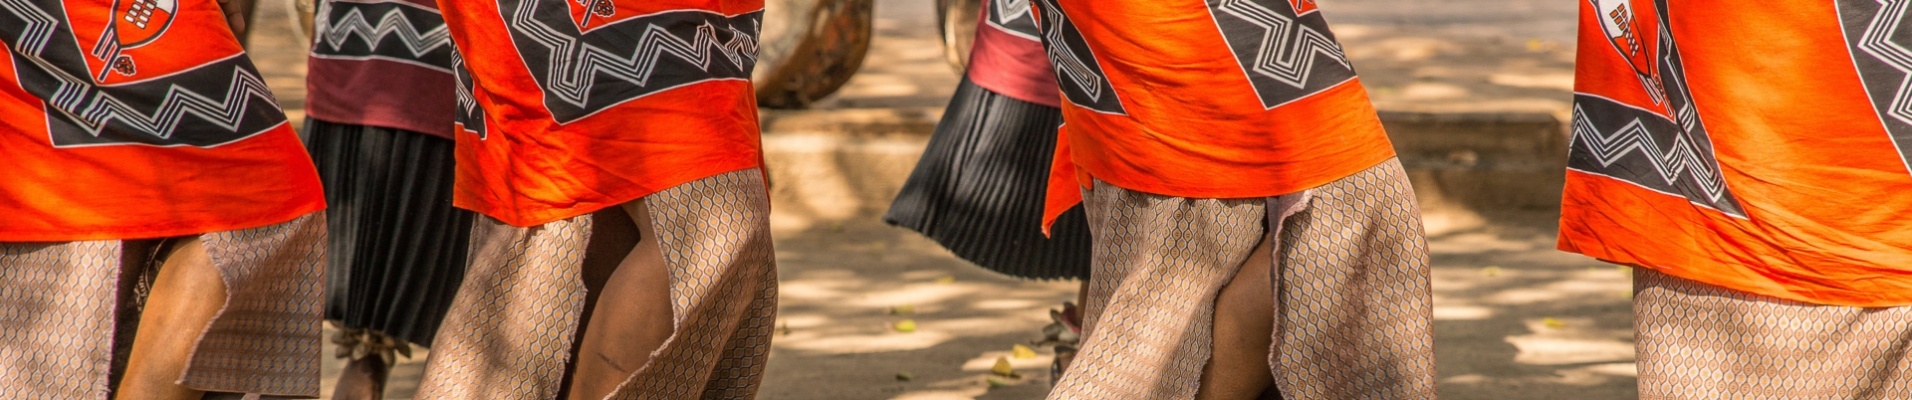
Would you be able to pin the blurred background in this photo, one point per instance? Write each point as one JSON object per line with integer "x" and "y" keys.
{"x": 1473, "y": 93}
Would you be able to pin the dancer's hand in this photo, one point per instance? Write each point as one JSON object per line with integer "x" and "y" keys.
{"x": 237, "y": 13}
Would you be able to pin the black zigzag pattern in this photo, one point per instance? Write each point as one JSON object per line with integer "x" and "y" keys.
{"x": 585, "y": 72}
{"x": 1882, "y": 51}
{"x": 389, "y": 30}
{"x": 1667, "y": 149}
{"x": 1014, "y": 17}
{"x": 217, "y": 103}
{"x": 1081, "y": 76}
{"x": 1287, "y": 56}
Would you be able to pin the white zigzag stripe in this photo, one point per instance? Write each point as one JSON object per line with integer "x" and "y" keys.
{"x": 1877, "y": 41}
{"x": 38, "y": 33}
{"x": 73, "y": 92}
{"x": 392, "y": 24}
{"x": 575, "y": 63}
{"x": 1288, "y": 49}
{"x": 1654, "y": 90}
{"x": 40, "y": 25}
{"x": 469, "y": 115}
{"x": 1010, "y": 10}
{"x": 1065, "y": 59}
{"x": 463, "y": 88}
{"x": 179, "y": 103}
{"x": 1688, "y": 117}
{"x": 1655, "y": 86}
{"x": 1679, "y": 159}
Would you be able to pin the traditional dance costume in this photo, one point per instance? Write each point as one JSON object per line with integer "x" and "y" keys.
{"x": 379, "y": 125}
{"x": 978, "y": 189}
{"x": 567, "y": 109}
{"x": 1194, "y": 129}
{"x": 129, "y": 123}
{"x": 1751, "y": 158}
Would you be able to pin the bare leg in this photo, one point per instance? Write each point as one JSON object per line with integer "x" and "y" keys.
{"x": 186, "y": 296}
{"x": 239, "y": 17}
{"x": 613, "y": 236}
{"x": 632, "y": 318}
{"x": 363, "y": 379}
{"x": 1082, "y": 294}
{"x": 1244, "y": 327}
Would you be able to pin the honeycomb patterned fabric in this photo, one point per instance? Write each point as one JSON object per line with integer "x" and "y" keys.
{"x": 268, "y": 339}
{"x": 1354, "y": 305}
{"x": 1352, "y": 300}
{"x": 511, "y": 327}
{"x": 1699, "y": 341}
{"x": 56, "y": 318}
{"x": 57, "y": 305}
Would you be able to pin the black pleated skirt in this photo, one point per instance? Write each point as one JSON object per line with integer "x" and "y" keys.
{"x": 979, "y": 187}
{"x": 397, "y": 251}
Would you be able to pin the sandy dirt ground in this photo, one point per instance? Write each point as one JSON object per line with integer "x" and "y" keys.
{"x": 1514, "y": 319}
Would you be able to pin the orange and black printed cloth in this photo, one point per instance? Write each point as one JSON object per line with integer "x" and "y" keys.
{"x": 568, "y": 107}
{"x": 1353, "y": 313}
{"x": 1205, "y": 99}
{"x": 138, "y": 119}
{"x": 383, "y": 63}
{"x": 1757, "y": 146}
{"x": 71, "y": 309}
{"x": 514, "y": 323}
{"x": 1007, "y": 56}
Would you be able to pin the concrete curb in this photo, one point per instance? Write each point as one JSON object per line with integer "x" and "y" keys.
{"x": 833, "y": 165}
{"x": 903, "y": 121}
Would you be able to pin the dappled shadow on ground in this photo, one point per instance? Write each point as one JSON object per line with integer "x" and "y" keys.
{"x": 842, "y": 280}
{"x": 1405, "y": 71}
{"x": 1460, "y": 55}
{"x": 1515, "y": 319}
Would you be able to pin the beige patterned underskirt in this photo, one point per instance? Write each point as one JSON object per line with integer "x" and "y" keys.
{"x": 61, "y": 304}
{"x": 1699, "y": 341}
{"x": 1352, "y": 299}
{"x": 512, "y": 326}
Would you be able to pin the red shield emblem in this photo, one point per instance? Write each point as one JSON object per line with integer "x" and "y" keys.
{"x": 135, "y": 23}
{"x": 1633, "y": 28}
{"x": 589, "y": 12}
{"x": 138, "y": 22}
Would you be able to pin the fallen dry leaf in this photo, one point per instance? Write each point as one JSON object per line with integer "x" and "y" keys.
{"x": 1491, "y": 271}
{"x": 904, "y": 376}
{"x": 1003, "y": 369}
{"x": 946, "y": 280}
{"x": 1550, "y": 322}
{"x": 905, "y": 326}
{"x": 1021, "y": 352}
